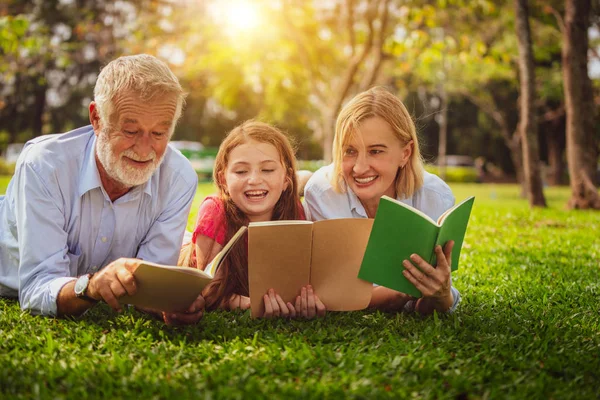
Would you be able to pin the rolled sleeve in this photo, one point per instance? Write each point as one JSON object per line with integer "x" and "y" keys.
{"x": 43, "y": 252}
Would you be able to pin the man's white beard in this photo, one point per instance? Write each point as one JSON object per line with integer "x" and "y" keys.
{"x": 121, "y": 171}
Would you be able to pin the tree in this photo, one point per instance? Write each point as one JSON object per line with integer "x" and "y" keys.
{"x": 528, "y": 121}
{"x": 582, "y": 149}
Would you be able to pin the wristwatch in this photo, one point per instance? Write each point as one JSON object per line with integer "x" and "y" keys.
{"x": 81, "y": 285}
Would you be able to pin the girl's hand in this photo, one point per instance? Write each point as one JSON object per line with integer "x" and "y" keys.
{"x": 308, "y": 304}
{"x": 433, "y": 283}
{"x": 276, "y": 307}
{"x": 238, "y": 301}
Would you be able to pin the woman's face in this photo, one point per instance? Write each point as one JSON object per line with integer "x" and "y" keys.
{"x": 372, "y": 158}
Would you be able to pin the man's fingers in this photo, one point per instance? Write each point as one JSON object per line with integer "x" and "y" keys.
{"x": 109, "y": 298}
{"x": 131, "y": 264}
{"x": 268, "y": 308}
{"x": 127, "y": 281}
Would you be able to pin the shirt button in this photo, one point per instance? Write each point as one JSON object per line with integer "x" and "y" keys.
{"x": 103, "y": 239}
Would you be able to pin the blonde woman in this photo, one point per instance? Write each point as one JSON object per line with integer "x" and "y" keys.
{"x": 376, "y": 153}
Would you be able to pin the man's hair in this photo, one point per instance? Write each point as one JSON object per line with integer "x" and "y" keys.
{"x": 378, "y": 102}
{"x": 142, "y": 74}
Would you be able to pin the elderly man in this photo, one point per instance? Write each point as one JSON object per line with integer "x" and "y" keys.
{"x": 85, "y": 206}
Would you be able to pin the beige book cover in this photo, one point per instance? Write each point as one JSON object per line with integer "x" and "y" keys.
{"x": 172, "y": 288}
{"x": 286, "y": 255}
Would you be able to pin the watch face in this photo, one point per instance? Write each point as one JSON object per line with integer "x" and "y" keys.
{"x": 81, "y": 284}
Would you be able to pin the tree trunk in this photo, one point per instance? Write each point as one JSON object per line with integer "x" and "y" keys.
{"x": 555, "y": 140}
{"x": 528, "y": 124}
{"x": 443, "y": 124}
{"x": 582, "y": 151}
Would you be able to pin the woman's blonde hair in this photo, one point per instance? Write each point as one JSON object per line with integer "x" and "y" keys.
{"x": 232, "y": 276}
{"x": 378, "y": 102}
{"x": 143, "y": 74}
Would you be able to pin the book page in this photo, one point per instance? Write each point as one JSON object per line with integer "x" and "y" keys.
{"x": 212, "y": 267}
{"x": 397, "y": 233}
{"x": 338, "y": 249}
{"x": 454, "y": 228}
{"x": 279, "y": 258}
{"x": 166, "y": 288}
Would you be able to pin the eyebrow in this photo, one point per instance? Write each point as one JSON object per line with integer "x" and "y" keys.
{"x": 377, "y": 145}
{"x": 247, "y": 163}
{"x": 135, "y": 121}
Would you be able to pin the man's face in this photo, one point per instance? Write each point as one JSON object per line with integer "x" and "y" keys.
{"x": 134, "y": 144}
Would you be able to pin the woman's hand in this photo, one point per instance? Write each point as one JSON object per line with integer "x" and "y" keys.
{"x": 388, "y": 300}
{"x": 308, "y": 305}
{"x": 433, "y": 283}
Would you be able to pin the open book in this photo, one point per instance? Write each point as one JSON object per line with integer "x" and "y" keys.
{"x": 286, "y": 255}
{"x": 171, "y": 288}
{"x": 400, "y": 230}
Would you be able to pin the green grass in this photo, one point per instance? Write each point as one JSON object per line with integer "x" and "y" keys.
{"x": 528, "y": 328}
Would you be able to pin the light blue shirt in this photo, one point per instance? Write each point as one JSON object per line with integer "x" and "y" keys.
{"x": 57, "y": 221}
{"x": 321, "y": 201}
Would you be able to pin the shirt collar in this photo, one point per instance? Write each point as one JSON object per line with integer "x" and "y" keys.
{"x": 355, "y": 204}
{"x": 90, "y": 177}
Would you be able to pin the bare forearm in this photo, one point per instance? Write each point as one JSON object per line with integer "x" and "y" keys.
{"x": 386, "y": 299}
{"x": 69, "y": 304}
{"x": 426, "y": 305}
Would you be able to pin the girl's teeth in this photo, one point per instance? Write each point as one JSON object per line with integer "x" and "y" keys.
{"x": 365, "y": 180}
{"x": 256, "y": 193}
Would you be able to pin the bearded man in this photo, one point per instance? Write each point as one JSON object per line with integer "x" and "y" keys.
{"x": 85, "y": 206}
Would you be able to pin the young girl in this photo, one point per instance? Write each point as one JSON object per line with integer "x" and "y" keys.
{"x": 255, "y": 174}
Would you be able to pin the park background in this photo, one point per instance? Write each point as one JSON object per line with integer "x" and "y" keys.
{"x": 509, "y": 86}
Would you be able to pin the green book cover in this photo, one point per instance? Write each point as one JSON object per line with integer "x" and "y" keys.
{"x": 399, "y": 231}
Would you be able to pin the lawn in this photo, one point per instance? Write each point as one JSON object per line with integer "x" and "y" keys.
{"x": 528, "y": 328}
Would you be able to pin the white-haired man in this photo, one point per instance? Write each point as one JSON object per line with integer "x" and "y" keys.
{"x": 85, "y": 206}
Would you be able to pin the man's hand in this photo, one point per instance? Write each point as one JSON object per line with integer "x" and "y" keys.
{"x": 189, "y": 317}
{"x": 114, "y": 281}
{"x": 433, "y": 283}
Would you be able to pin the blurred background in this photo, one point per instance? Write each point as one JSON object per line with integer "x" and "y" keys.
{"x": 294, "y": 64}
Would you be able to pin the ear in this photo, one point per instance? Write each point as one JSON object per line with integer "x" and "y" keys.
{"x": 288, "y": 180}
{"x": 95, "y": 118}
{"x": 406, "y": 153}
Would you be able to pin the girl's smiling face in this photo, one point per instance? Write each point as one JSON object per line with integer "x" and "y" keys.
{"x": 255, "y": 179}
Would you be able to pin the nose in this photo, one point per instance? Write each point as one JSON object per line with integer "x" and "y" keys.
{"x": 143, "y": 145}
{"x": 255, "y": 177}
{"x": 361, "y": 164}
